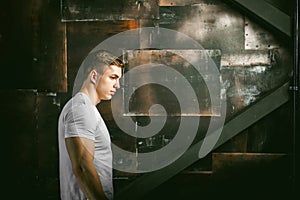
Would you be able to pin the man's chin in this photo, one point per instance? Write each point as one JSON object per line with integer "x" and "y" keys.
{"x": 107, "y": 98}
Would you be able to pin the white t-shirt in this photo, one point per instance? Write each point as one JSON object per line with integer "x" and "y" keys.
{"x": 80, "y": 118}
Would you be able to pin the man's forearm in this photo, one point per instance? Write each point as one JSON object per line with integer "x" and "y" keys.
{"x": 90, "y": 183}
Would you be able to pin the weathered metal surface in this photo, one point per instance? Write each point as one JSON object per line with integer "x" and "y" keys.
{"x": 212, "y": 24}
{"x": 254, "y": 113}
{"x": 159, "y": 93}
{"x": 103, "y": 10}
{"x": 253, "y": 72}
{"x": 142, "y": 185}
{"x": 250, "y": 74}
{"x": 178, "y": 2}
{"x": 257, "y": 38}
{"x": 247, "y": 59}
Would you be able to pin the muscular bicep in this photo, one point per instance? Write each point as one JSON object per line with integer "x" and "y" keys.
{"x": 80, "y": 150}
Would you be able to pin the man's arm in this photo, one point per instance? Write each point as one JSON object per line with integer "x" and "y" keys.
{"x": 81, "y": 153}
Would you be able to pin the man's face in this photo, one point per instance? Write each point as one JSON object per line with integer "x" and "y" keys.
{"x": 109, "y": 82}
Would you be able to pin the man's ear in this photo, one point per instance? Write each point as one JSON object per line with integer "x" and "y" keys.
{"x": 94, "y": 76}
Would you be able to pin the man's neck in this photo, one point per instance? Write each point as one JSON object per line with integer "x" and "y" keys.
{"x": 91, "y": 93}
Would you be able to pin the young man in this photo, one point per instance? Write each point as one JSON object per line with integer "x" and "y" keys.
{"x": 85, "y": 154}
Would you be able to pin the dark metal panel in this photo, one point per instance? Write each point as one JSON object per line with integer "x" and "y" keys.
{"x": 237, "y": 143}
{"x": 266, "y": 175}
{"x": 16, "y": 45}
{"x": 220, "y": 161}
{"x": 285, "y": 6}
{"x": 185, "y": 185}
{"x": 19, "y": 142}
{"x": 142, "y": 185}
{"x": 272, "y": 133}
{"x": 32, "y": 45}
{"x": 49, "y": 46}
{"x": 47, "y": 112}
{"x": 103, "y": 10}
{"x": 30, "y": 133}
{"x": 268, "y": 13}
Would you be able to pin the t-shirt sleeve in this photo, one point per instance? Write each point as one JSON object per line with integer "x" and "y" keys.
{"x": 80, "y": 121}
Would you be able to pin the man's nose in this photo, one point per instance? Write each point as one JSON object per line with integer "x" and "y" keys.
{"x": 117, "y": 84}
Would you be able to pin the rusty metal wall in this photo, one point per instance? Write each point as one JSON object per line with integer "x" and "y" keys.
{"x": 42, "y": 44}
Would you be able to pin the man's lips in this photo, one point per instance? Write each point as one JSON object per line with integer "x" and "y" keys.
{"x": 112, "y": 92}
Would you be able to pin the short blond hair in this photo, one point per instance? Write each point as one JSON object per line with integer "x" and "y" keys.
{"x": 99, "y": 60}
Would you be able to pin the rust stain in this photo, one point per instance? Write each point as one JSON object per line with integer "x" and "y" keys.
{"x": 130, "y": 24}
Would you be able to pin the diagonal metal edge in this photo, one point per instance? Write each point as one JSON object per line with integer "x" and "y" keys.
{"x": 147, "y": 182}
{"x": 268, "y": 13}
{"x": 254, "y": 113}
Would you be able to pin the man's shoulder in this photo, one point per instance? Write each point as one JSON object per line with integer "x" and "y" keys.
{"x": 77, "y": 106}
